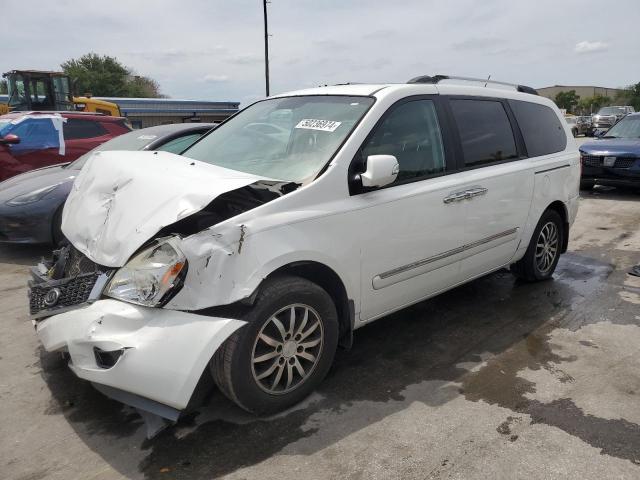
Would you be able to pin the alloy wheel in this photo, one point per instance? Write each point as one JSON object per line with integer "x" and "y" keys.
{"x": 547, "y": 247}
{"x": 287, "y": 349}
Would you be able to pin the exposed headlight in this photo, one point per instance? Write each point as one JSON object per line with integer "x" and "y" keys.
{"x": 32, "y": 197}
{"x": 152, "y": 276}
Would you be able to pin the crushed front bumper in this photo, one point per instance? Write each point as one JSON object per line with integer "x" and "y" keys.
{"x": 152, "y": 353}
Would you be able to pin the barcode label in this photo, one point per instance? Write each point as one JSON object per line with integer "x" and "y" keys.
{"x": 324, "y": 125}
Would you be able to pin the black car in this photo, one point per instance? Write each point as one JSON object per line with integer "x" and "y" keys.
{"x": 614, "y": 158}
{"x": 31, "y": 203}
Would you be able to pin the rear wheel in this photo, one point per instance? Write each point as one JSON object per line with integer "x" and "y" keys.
{"x": 542, "y": 255}
{"x": 283, "y": 352}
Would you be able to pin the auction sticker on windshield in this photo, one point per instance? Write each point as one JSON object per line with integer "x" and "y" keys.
{"x": 324, "y": 125}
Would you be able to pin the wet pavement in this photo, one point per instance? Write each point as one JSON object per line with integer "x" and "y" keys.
{"x": 495, "y": 379}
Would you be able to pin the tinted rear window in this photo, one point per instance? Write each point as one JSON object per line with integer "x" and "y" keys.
{"x": 541, "y": 128}
{"x": 76, "y": 128}
{"x": 485, "y": 131}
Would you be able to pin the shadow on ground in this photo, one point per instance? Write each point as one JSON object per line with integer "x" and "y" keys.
{"x": 23, "y": 254}
{"x": 494, "y": 316}
{"x": 620, "y": 194}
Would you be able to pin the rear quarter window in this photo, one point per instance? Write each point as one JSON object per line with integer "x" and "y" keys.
{"x": 76, "y": 128}
{"x": 541, "y": 128}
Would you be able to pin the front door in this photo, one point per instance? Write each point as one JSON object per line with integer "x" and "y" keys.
{"x": 410, "y": 237}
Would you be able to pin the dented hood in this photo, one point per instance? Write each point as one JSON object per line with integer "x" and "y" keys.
{"x": 121, "y": 199}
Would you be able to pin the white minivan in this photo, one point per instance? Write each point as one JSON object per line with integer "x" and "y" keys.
{"x": 260, "y": 249}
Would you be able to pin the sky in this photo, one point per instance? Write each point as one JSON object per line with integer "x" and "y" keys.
{"x": 214, "y": 50}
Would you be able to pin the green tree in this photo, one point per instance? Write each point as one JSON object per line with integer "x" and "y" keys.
{"x": 105, "y": 76}
{"x": 3, "y": 87}
{"x": 567, "y": 100}
{"x": 592, "y": 104}
{"x": 633, "y": 96}
{"x": 144, "y": 87}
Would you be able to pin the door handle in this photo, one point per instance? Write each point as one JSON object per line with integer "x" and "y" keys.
{"x": 456, "y": 197}
{"x": 475, "y": 191}
{"x": 463, "y": 195}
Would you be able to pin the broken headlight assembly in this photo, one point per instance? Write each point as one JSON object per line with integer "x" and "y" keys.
{"x": 152, "y": 276}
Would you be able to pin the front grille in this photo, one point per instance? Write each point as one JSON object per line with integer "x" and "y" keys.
{"x": 77, "y": 263}
{"x": 597, "y": 161}
{"x": 624, "y": 162}
{"x": 68, "y": 282}
{"x": 592, "y": 161}
{"x": 69, "y": 292}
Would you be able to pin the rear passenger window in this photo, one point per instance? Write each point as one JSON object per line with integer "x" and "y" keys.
{"x": 540, "y": 126}
{"x": 77, "y": 128}
{"x": 485, "y": 131}
{"x": 411, "y": 133}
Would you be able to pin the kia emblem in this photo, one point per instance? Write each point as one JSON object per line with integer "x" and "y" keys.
{"x": 52, "y": 296}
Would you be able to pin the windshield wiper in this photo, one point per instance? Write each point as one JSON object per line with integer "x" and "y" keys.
{"x": 608, "y": 136}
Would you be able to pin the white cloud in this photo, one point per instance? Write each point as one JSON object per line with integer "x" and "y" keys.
{"x": 328, "y": 42}
{"x": 591, "y": 47}
{"x": 213, "y": 78}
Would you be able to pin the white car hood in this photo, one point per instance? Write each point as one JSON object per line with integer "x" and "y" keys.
{"x": 121, "y": 199}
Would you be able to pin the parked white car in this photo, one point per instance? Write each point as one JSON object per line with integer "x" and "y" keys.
{"x": 307, "y": 215}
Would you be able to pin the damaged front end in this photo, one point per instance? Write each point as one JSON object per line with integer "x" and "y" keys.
{"x": 147, "y": 357}
{"x": 105, "y": 297}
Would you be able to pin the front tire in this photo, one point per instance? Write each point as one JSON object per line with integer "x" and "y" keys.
{"x": 542, "y": 255}
{"x": 283, "y": 352}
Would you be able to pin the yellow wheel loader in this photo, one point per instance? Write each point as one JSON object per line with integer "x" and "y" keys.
{"x": 34, "y": 90}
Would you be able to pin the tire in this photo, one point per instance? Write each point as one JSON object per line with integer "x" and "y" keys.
{"x": 574, "y": 132}
{"x": 586, "y": 185}
{"x": 536, "y": 265}
{"x": 57, "y": 237}
{"x": 274, "y": 384}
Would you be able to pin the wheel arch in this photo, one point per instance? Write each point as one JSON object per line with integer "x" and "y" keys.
{"x": 330, "y": 281}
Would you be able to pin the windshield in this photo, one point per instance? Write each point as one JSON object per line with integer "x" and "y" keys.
{"x": 135, "y": 140}
{"x": 628, "y": 127}
{"x": 289, "y": 139}
{"x": 611, "y": 111}
{"x": 570, "y": 120}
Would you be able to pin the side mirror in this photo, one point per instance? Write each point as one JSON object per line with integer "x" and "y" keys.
{"x": 10, "y": 139}
{"x": 381, "y": 170}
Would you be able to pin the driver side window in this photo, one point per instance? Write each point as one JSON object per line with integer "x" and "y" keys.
{"x": 411, "y": 133}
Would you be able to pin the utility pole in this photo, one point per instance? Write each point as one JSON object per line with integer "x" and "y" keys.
{"x": 266, "y": 48}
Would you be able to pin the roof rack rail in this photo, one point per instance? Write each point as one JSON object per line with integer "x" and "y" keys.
{"x": 438, "y": 78}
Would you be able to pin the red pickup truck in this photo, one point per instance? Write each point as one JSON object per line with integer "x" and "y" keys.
{"x": 30, "y": 140}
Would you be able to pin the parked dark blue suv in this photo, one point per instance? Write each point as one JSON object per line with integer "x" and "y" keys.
{"x": 614, "y": 158}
